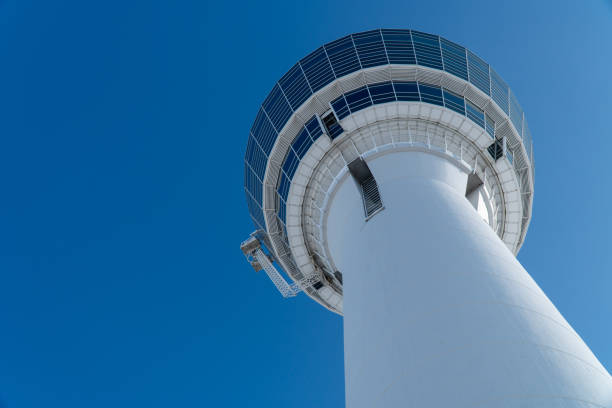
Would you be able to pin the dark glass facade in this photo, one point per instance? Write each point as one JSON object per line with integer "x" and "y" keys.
{"x": 350, "y": 54}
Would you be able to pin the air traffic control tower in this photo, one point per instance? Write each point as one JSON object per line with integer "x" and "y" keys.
{"x": 390, "y": 177}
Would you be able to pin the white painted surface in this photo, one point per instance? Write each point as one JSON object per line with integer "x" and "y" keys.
{"x": 476, "y": 198}
{"x": 438, "y": 312}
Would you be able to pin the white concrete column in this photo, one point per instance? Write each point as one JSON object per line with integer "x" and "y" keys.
{"x": 438, "y": 313}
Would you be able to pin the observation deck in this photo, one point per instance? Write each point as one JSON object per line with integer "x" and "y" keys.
{"x": 360, "y": 97}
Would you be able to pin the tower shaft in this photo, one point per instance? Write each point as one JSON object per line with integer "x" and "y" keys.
{"x": 437, "y": 311}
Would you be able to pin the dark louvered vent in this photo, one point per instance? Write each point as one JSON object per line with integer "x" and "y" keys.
{"x": 496, "y": 150}
{"x": 370, "y": 195}
{"x": 338, "y": 276}
{"x": 331, "y": 125}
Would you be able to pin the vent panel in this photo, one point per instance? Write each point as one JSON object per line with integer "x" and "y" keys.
{"x": 331, "y": 125}
{"x": 496, "y": 150}
{"x": 370, "y": 195}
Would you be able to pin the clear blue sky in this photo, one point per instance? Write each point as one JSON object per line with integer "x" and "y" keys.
{"x": 123, "y": 127}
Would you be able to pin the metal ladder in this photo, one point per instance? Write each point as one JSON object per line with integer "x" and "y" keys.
{"x": 253, "y": 252}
